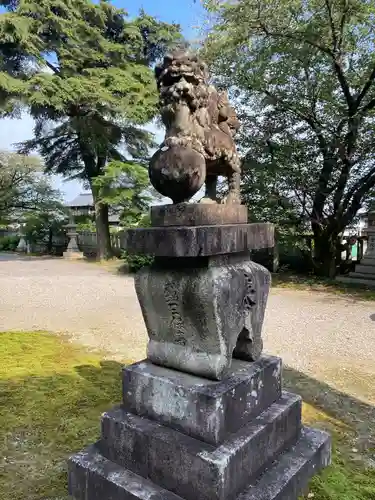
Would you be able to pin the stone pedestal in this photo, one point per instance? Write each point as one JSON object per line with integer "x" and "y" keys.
{"x": 364, "y": 272}
{"x": 72, "y": 252}
{"x": 204, "y": 417}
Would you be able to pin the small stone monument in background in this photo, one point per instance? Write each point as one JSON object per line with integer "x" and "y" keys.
{"x": 22, "y": 244}
{"x": 72, "y": 251}
{"x": 364, "y": 273}
{"x": 204, "y": 417}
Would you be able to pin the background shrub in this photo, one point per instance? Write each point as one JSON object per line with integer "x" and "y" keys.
{"x": 9, "y": 243}
{"x": 136, "y": 262}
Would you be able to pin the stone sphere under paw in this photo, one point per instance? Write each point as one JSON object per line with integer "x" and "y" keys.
{"x": 177, "y": 172}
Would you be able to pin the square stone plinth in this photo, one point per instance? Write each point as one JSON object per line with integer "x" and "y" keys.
{"x": 198, "y": 214}
{"x": 197, "y": 241}
{"x": 194, "y": 469}
{"x": 204, "y": 409}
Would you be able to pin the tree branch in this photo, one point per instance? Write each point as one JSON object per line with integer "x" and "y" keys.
{"x": 368, "y": 107}
{"x": 52, "y": 67}
{"x": 342, "y": 23}
{"x": 358, "y": 193}
{"x": 366, "y": 88}
{"x": 335, "y": 63}
{"x": 332, "y": 25}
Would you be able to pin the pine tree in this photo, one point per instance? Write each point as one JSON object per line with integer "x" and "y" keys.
{"x": 84, "y": 72}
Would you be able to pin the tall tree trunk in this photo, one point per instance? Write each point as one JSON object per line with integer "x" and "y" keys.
{"x": 50, "y": 240}
{"x": 104, "y": 249}
{"x": 94, "y": 167}
{"x": 326, "y": 253}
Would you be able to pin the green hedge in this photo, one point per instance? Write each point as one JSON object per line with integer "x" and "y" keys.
{"x": 136, "y": 262}
{"x": 9, "y": 243}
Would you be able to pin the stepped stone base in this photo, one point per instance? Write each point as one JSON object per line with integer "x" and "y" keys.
{"x": 364, "y": 274}
{"x": 204, "y": 409}
{"x": 177, "y": 436}
{"x": 364, "y": 269}
{"x": 93, "y": 477}
{"x": 194, "y": 469}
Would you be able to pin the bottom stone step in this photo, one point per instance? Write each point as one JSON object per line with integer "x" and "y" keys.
{"x": 356, "y": 280}
{"x": 288, "y": 477}
{"x": 93, "y": 477}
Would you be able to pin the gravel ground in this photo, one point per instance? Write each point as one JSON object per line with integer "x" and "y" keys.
{"x": 328, "y": 337}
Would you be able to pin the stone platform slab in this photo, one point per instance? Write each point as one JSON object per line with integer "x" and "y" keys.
{"x": 356, "y": 280}
{"x": 204, "y": 409}
{"x": 364, "y": 269}
{"x": 194, "y": 469}
{"x": 198, "y": 214}
{"x": 93, "y": 477}
{"x": 197, "y": 241}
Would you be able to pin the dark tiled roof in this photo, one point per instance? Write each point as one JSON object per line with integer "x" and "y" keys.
{"x": 86, "y": 200}
{"x": 82, "y": 200}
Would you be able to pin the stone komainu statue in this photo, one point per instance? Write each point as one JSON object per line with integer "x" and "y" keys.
{"x": 200, "y": 125}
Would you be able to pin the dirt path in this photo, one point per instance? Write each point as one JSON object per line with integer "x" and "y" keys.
{"x": 329, "y": 338}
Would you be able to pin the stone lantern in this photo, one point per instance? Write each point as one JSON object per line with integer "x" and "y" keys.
{"x": 72, "y": 252}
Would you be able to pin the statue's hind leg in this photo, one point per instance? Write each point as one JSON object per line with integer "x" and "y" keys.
{"x": 211, "y": 185}
{"x": 234, "y": 180}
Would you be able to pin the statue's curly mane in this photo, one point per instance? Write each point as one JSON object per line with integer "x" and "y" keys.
{"x": 196, "y": 117}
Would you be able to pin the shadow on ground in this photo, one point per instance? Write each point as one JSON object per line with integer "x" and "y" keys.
{"x": 357, "y": 415}
{"x": 313, "y": 283}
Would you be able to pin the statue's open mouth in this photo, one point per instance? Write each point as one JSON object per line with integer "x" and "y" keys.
{"x": 172, "y": 78}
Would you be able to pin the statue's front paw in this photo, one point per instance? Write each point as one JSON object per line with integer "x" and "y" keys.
{"x": 207, "y": 200}
{"x": 233, "y": 198}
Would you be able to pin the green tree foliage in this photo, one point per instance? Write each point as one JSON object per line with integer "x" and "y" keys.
{"x": 303, "y": 74}
{"x": 125, "y": 186}
{"x": 83, "y": 69}
{"x": 42, "y": 226}
{"x": 23, "y": 187}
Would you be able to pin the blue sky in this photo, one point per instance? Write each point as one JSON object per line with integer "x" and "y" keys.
{"x": 187, "y": 13}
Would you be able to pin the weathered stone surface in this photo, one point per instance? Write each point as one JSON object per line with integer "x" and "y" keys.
{"x": 364, "y": 269}
{"x": 204, "y": 409}
{"x": 93, "y": 477}
{"x": 194, "y": 469}
{"x": 200, "y": 126}
{"x": 198, "y": 313}
{"x": 357, "y": 279}
{"x": 196, "y": 241}
{"x": 290, "y": 474}
{"x": 198, "y": 214}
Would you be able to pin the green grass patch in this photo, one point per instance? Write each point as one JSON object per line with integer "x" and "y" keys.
{"x": 315, "y": 283}
{"x": 351, "y": 423}
{"x": 52, "y": 394}
{"x": 51, "y": 397}
{"x": 348, "y": 478}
